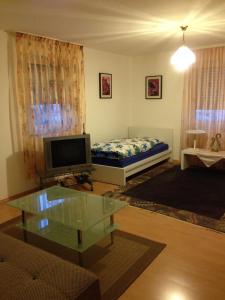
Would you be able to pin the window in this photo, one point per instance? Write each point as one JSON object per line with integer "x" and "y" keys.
{"x": 208, "y": 115}
{"x": 48, "y": 113}
{"x": 204, "y": 96}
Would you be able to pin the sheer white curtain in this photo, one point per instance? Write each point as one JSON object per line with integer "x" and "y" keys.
{"x": 204, "y": 96}
{"x": 49, "y": 93}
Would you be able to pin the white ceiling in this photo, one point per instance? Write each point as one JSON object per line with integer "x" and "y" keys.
{"x": 130, "y": 27}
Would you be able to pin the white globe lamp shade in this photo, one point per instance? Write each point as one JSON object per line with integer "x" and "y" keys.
{"x": 183, "y": 58}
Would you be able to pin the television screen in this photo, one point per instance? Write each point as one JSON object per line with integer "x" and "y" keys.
{"x": 69, "y": 153}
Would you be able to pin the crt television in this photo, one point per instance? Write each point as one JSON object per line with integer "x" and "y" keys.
{"x": 66, "y": 154}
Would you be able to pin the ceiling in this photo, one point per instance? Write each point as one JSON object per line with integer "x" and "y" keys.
{"x": 129, "y": 27}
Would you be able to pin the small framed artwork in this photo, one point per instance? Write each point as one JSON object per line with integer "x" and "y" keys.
{"x": 105, "y": 85}
{"x": 153, "y": 87}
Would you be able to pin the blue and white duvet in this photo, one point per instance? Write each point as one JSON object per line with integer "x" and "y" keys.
{"x": 122, "y": 148}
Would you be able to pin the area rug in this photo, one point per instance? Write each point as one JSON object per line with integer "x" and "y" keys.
{"x": 195, "y": 195}
{"x": 117, "y": 265}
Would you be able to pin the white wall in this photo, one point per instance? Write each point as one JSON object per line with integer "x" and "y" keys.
{"x": 157, "y": 113}
{"x": 12, "y": 174}
{"x": 107, "y": 118}
{"x": 110, "y": 118}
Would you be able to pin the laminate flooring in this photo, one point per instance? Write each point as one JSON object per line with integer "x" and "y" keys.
{"x": 191, "y": 267}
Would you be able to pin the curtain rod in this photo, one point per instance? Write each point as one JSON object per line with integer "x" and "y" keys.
{"x": 45, "y": 37}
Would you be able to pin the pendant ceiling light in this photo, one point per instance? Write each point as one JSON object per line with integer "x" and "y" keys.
{"x": 183, "y": 57}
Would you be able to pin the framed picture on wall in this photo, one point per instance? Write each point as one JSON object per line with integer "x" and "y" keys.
{"x": 105, "y": 85}
{"x": 153, "y": 87}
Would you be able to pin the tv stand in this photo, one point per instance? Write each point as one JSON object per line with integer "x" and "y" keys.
{"x": 81, "y": 178}
{"x": 68, "y": 179}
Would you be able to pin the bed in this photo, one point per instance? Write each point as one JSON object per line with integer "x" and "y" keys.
{"x": 117, "y": 174}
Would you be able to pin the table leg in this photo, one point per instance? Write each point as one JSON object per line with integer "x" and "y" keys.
{"x": 184, "y": 163}
{"x": 79, "y": 241}
{"x": 80, "y": 259}
{"x": 112, "y": 223}
{"x": 79, "y": 238}
{"x": 24, "y": 225}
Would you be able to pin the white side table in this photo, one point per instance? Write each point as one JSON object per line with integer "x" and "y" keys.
{"x": 208, "y": 157}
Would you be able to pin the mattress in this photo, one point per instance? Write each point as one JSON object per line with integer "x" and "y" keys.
{"x": 123, "y": 162}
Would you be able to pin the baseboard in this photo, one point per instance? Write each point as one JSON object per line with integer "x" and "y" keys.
{"x": 19, "y": 195}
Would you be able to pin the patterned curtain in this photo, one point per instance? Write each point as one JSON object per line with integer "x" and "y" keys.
{"x": 204, "y": 97}
{"x": 50, "y": 93}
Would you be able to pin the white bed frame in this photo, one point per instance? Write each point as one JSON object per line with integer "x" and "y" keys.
{"x": 115, "y": 175}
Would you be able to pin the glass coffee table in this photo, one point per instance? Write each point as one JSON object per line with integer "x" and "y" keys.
{"x": 71, "y": 218}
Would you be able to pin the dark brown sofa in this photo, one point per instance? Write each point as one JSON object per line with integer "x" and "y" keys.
{"x": 29, "y": 273}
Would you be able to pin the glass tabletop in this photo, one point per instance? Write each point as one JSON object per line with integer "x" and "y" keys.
{"x": 78, "y": 210}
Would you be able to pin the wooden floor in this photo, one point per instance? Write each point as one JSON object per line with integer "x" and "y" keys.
{"x": 191, "y": 267}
